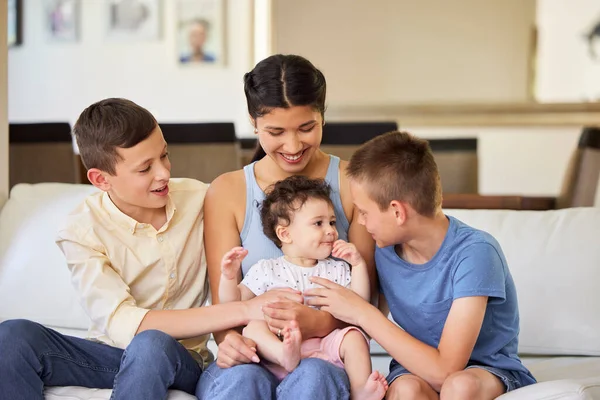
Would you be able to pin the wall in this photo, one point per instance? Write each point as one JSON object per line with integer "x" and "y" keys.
{"x": 566, "y": 72}
{"x": 405, "y": 51}
{"x": 55, "y": 81}
{"x": 520, "y": 160}
{"x": 436, "y": 51}
{"x": 3, "y": 109}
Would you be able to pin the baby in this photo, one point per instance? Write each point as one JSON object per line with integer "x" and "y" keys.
{"x": 298, "y": 216}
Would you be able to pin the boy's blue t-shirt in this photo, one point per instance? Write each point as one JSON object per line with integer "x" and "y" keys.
{"x": 469, "y": 263}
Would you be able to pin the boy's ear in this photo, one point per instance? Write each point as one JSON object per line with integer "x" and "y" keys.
{"x": 399, "y": 210}
{"x": 98, "y": 178}
{"x": 283, "y": 234}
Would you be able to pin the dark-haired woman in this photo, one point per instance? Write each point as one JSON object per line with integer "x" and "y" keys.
{"x": 286, "y": 103}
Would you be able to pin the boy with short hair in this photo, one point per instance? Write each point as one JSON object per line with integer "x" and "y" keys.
{"x": 137, "y": 263}
{"x": 447, "y": 284}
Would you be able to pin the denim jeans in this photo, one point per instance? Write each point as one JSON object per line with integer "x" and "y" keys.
{"x": 312, "y": 379}
{"x": 33, "y": 356}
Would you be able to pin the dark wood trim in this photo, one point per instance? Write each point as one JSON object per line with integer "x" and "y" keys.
{"x": 218, "y": 132}
{"x": 475, "y": 201}
{"x": 46, "y": 132}
{"x": 353, "y": 133}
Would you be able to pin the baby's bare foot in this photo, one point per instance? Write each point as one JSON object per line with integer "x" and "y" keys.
{"x": 374, "y": 388}
{"x": 292, "y": 341}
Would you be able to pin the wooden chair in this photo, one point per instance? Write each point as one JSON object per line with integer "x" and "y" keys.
{"x": 201, "y": 151}
{"x": 582, "y": 179}
{"x": 581, "y": 184}
{"x": 41, "y": 152}
{"x": 457, "y": 163}
{"x": 343, "y": 138}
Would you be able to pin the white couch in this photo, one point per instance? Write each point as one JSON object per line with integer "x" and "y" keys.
{"x": 554, "y": 257}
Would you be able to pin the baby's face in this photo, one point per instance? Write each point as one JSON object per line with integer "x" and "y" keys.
{"x": 312, "y": 230}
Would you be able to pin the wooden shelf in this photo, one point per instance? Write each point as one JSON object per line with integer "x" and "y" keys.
{"x": 501, "y": 114}
{"x": 475, "y": 201}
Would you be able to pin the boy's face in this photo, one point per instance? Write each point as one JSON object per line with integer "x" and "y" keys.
{"x": 140, "y": 183}
{"x": 380, "y": 224}
{"x": 312, "y": 231}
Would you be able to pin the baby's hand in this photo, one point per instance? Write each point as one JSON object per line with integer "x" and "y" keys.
{"x": 232, "y": 261}
{"x": 347, "y": 251}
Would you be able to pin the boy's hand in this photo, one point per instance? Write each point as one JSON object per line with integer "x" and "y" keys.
{"x": 340, "y": 302}
{"x": 347, "y": 251}
{"x": 232, "y": 261}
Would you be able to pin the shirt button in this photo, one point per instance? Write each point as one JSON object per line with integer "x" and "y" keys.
{"x": 160, "y": 239}
{"x": 172, "y": 276}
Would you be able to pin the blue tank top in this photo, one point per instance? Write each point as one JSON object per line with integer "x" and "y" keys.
{"x": 252, "y": 237}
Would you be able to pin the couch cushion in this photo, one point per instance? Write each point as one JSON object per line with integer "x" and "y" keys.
{"x": 80, "y": 393}
{"x": 34, "y": 279}
{"x": 554, "y": 257}
{"x": 566, "y": 389}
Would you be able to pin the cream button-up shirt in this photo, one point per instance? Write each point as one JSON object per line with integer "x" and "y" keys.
{"x": 121, "y": 269}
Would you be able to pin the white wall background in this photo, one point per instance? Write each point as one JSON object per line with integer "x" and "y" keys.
{"x": 519, "y": 160}
{"x": 437, "y": 51}
{"x": 407, "y": 51}
{"x": 55, "y": 81}
{"x": 412, "y": 52}
{"x": 565, "y": 70}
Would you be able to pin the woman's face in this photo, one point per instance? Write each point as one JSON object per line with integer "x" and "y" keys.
{"x": 290, "y": 136}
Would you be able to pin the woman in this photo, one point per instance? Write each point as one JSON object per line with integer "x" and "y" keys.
{"x": 286, "y": 103}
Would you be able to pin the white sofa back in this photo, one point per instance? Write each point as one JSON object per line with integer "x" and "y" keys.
{"x": 34, "y": 279}
{"x": 554, "y": 257}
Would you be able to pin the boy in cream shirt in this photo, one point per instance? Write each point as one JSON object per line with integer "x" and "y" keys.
{"x": 137, "y": 263}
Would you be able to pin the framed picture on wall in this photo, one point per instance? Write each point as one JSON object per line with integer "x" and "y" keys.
{"x": 134, "y": 19}
{"x": 14, "y": 22}
{"x": 62, "y": 19}
{"x": 201, "y": 32}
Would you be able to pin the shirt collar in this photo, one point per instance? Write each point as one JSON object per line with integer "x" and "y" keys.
{"x": 129, "y": 223}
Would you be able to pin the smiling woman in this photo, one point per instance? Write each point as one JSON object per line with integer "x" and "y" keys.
{"x": 286, "y": 103}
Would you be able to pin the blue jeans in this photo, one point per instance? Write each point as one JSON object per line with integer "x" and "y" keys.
{"x": 312, "y": 379}
{"x": 33, "y": 356}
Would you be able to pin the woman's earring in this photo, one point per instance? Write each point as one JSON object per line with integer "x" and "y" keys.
{"x": 323, "y": 122}
{"x": 255, "y": 130}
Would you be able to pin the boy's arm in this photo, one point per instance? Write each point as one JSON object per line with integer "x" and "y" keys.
{"x": 479, "y": 275}
{"x": 107, "y": 301}
{"x": 433, "y": 365}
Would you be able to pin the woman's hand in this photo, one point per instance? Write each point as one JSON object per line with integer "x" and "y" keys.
{"x": 236, "y": 350}
{"x": 340, "y": 302}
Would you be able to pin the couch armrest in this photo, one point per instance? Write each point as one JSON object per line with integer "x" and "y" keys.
{"x": 476, "y": 201}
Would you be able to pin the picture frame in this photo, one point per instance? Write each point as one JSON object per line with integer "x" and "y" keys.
{"x": 61, "y": 19}
{"x": 14, "y": 22}
{"x": 134, "y": 19}
{"x": 201, "y": 32}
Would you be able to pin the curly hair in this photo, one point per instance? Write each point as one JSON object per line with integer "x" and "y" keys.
{"x": 286, "y": 197}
